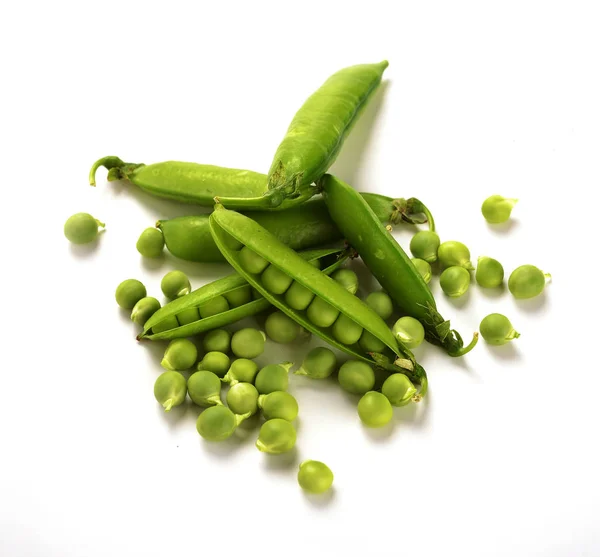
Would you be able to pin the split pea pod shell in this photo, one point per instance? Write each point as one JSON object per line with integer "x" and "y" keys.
{"x": 319, "y": 128}
{"x": 331, "y": 260}
{"x": 389, "y": 263}
{"x": 228, "y": 225}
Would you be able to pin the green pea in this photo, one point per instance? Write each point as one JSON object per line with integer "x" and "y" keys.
{"x": 497, "y": 329}
{"x": 347, "y": 279}
{"x": 381, "y": 304}
{"x": 273, "y": 377}
{"x": 175, "y": 284}
{"x": 346, "y": 331}
{"x": 276, "y": 436}
{"x": 398, "y": 389}
{"x": 82, "y": 228}
{"x": 370, "y": 343}
{"x": 242, "y": 370}
{"x": 314, "y": 476}
{"x": 166, "y": 325}
{"x": 278, "y": 404}
{"x": 239, "y": 297}
{"x": 150, "y": 243}
{"x": 527, "y": 281}
{"x": 315, "y": 263}
{"x": 181, "y": 354}
{"x": 281, "y": 328}
{"x": 251, "y": 261}
{"x": 455, "y": 281}
{"x": 216, "y": 305}
{"x": 321, "y": 314}
{"x": 218, "y": 423}
{"x": 248, "y": 343}
{"x": 256, "y": 295}
{"x": 298, "y": 297}
{"x": 423, "y": 267}
{"x": 242, "y": 398}
{"x": 497, "y": 209}
{"x": 204, "y": 388}
{"x": 490, "y": 272}
{"x": 319, "y": 363}
{"x": 356, "y": 377}
{"x": 170, "y": 389}
{"x": 409, "y": 332}
{"x": 275, "y": 281}
{"x": 129, "y": 293}
{"x": 424, "y": 245}
{"x": 453, "y": 254}
{"x": 144, "y": 309}
{"x": 375, "y": 410}
{"x": 217, "y": 340}
{"x": 217, "y": 362}
{"x": 187, "y": 316}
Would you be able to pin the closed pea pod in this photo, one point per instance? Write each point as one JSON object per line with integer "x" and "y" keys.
{"x": 527, "y": 281}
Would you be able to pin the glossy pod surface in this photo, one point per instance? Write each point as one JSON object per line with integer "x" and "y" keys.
{"x": 157, "y": 327}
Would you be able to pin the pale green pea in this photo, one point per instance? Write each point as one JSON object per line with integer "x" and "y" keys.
{"x": 356, "y": 377}
{"x": 175, "y": 284}
{"x": 216, "y": 305}
{"x": 129, "y": 293}
{"x": 381, "y": 304}
{"x": 187, "y": 316}
{"x": 321, "y": 314}
{"x": 242, "y": 370}
{"x": 242, "y": 398}
{"x": 497, "y": 209}
{"x": 170, "y": 389}
{"x": 281, "y": 328}
{"x": 278, "y": 404}
{"x": 218, "y": 423}
{"x": 409, "y": 332}
{"x": 298, "y": 297}
{"x": 275, "y": 281}
{"x": 217, "y": 362}
{"x": 319, "y": 363}
{"x": 424, "y": 245}
{"x": 144, "y": 309}
{"x": 315, "y": 477}
{"x": 527, "y": 281}
{"x": 370, "y": 343}
{"x": 490, "y": 272}
{"x": 251, "y": 261}
{"x": 375, "y": 410}
{"x": 455, "y": 281}
{"x": 497, "y": 329}
{"x": 166, "y": 325}
{"x": 347, "y": 279}
{"x": 453, "y": 254}
{"x": 82, "y": 228}
{"x": 217, "y": 340}
{"x": 315, "y": 263}
{"x": 398, "y": 389}
{"x": 273, "y": 377}
{"x": 276, "y": 436}
{"x": 248, "y": 343}
{"x": 346, "y": 331}
{"x": 181, "y": 354}
{"x": 239, "y": 297}
{"x": 204, "y": 388}
{"x": 150, "y": 243}
{"x": 423, "y": 268}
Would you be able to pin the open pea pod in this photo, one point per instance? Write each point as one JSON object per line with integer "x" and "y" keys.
{"x": 171, "y": 321}
{"x": 233, "y": 231}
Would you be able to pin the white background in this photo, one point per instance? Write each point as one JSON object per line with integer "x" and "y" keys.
{"x": 480, "y": 98}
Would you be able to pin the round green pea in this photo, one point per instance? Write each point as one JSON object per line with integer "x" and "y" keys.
{"x": 497, "y": 209}
{"x": 370, "y": 343}
{"x": 144, "y": 309}
{"x": 216, "y": 305}
{"x": 398, "y": 389}
{"x": 321, "y": 314}
{"x": 423, "y": 268}
{"x": 315, "y": 263}
{"x": 346, "y": 331}
{"x": 218, "y": 423}
{"x": 347, "y": 279}
{"x": 278, "y": 404}
{"x": 281, "y": 328}
{"x": 82, "y": 228}
{"x": 150, "y": 243}
{"x": 166, "y": 325}
{"x": 490, "y": 272}
{"x": 424, "y": 245}
{"x": 273, "y": 377}
{"x": 242, "y": 398}
{"x": 129, "y": 293}
{"x": 455, "y": 281}
{"x": 314, "y": 476}
{"x": 248, "y": 343}
{"x": 181, "y": 354}
{"x": 453, "y": 254}
{"x": 175, "y": 284}
{"x": 319, "y": 363}
{"x": 409, "y": 332}
{"x": 251, "y": 261}
{"x": 239, "y": 297}
{"x": 275, "y": 281}
{"x": 527, "y": 281}
{"x": 242, "y": 370}
{"x": 217, "y": 362}
{"x": 356, "y": 377}
{"x": 276, "y": 436}
{"x": 497, "y": 329}
{"x": 170, "y": 389}
{"x": 298, "y": 297}
{"x": 187, "y": 316}
{"x": 217, "y": 340}
{"x": 204, "y": 388}
{"x": 375, "y": 410}
{"x": 381, "y": 304}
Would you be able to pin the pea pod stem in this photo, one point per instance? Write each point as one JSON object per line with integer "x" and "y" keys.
{"x": 465, "y": 349}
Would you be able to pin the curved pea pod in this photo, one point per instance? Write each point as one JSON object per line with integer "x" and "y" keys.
{"x": 319, "y": 128}
{"x": 229, "y": 227}
{"x": 389, "y": 263}
{"x": 163, "y": 325}
{"x": 305, "y": 226}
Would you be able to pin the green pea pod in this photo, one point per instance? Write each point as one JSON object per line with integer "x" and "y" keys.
{"x": 331, "y": 259}
{"x": 229, "y": 228}
{"x": 389, "y": 264}
{"x": 305, "y": 226}
{"x": 318, "y": 130}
